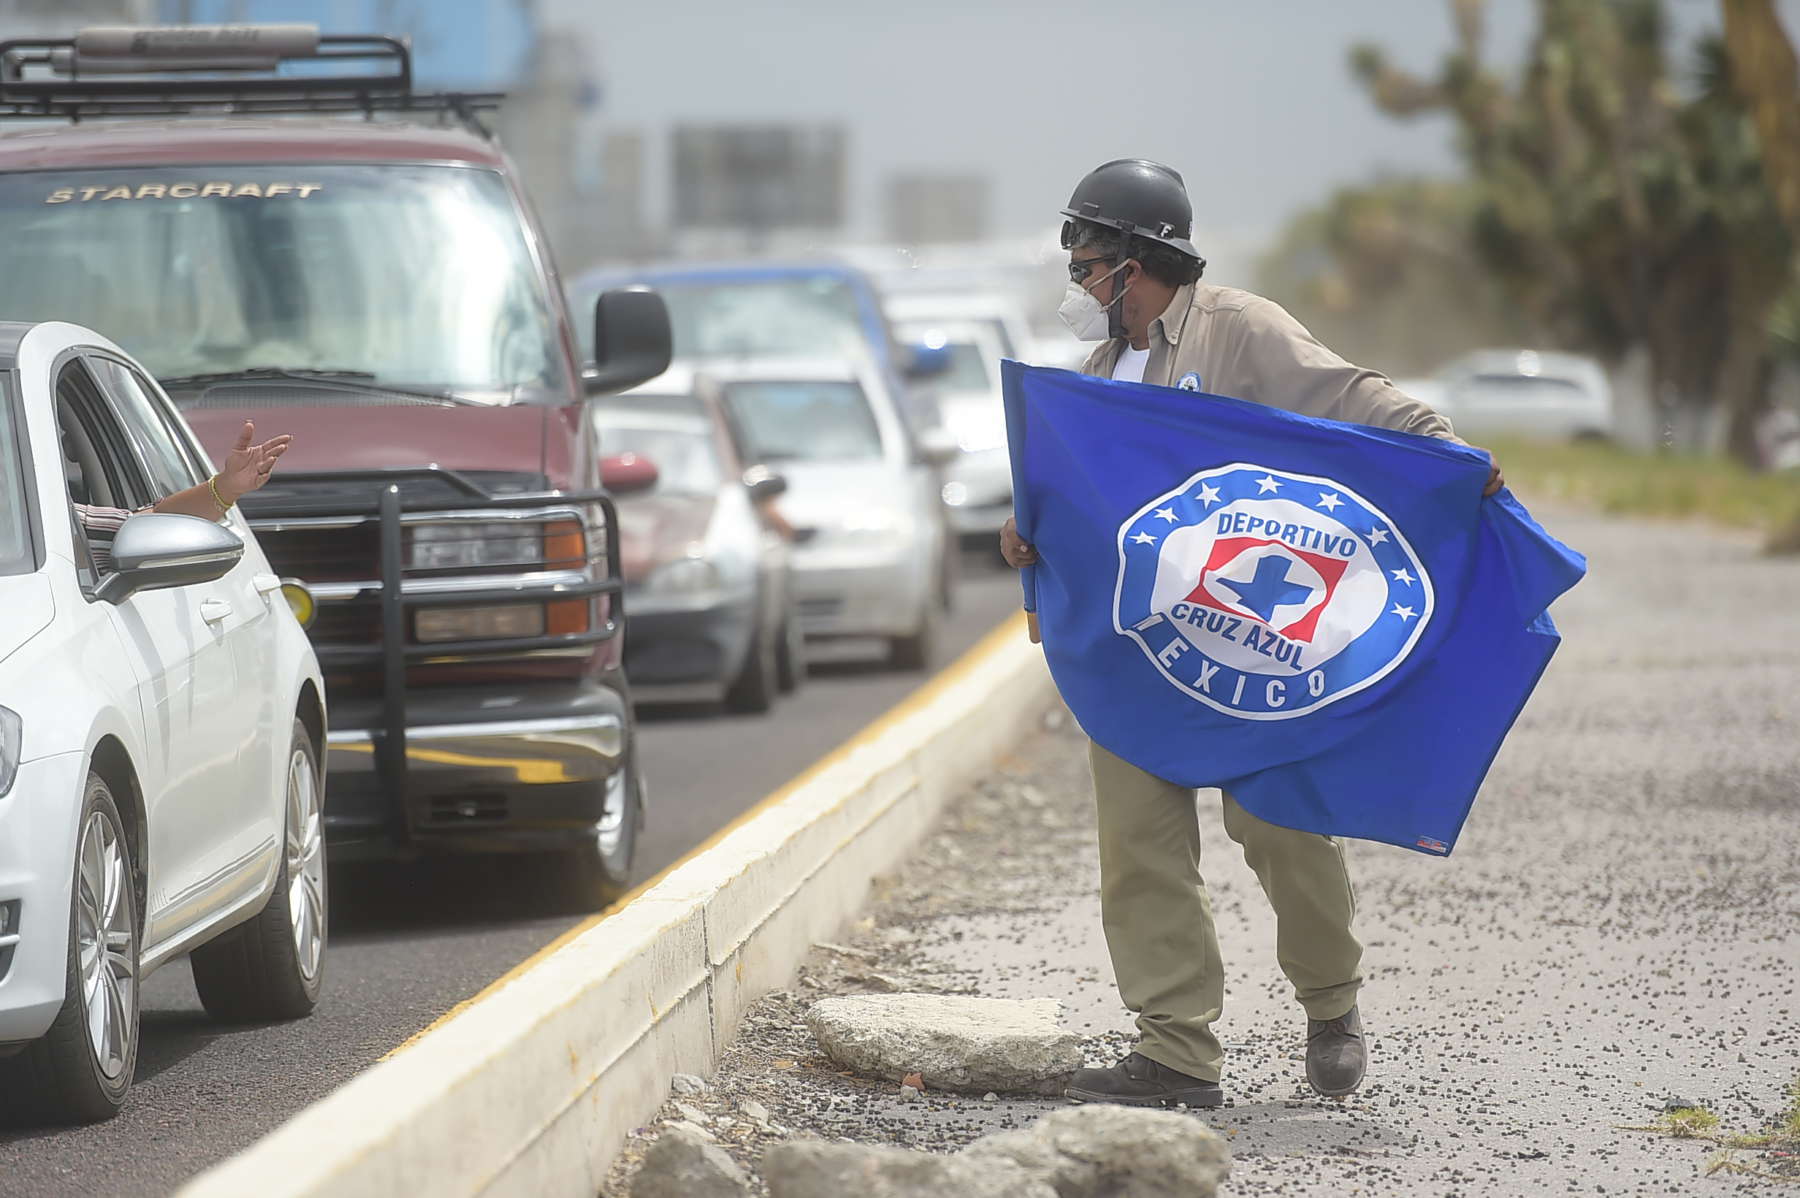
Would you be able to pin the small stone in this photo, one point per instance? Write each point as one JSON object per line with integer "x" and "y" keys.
{"x": 753, "y": 1110}
{"x": 821, "y": 1169}
{"x": 683, "y": 1164}
{"x": 692, "y": 1114}
{"x": 909, "y": 1094}
{"x": 688, "y": 1085}
{"x": 691, "y": 1128}
{"x": 1681, "y": 1104}
{"x": 971, "y": 1045}
{"x": 1097, "y": 1150}
{"x": 990, "y": 1096}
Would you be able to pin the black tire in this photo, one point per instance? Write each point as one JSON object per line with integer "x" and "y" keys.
{"x": 255, "y": 972}
{"x": 58, "y": 1078}
{"x": 589, "y": 878}
{"x": 754, "y": 690}
{"x": 915, "y": 651}
{"x": 790, "y": 657}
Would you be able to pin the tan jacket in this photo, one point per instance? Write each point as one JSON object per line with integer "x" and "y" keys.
{"x": 1242, "y": 345}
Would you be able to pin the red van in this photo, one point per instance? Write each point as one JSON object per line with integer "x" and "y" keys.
{"x": 339, "y": 257}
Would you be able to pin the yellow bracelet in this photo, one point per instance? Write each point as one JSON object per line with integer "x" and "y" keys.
{"x": 212, "y": 485}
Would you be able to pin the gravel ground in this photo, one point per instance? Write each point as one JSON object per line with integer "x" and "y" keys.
{"x": 1619, "y": 926}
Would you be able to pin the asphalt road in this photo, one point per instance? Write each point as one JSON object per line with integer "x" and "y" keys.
{"x": 408, "y": 943}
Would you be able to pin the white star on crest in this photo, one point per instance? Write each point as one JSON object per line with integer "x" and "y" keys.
{"x": 1267, "y": 483}
{"x": 1405, "y": 613}
{"x": 1404, "y": 575}
{"x": 1166, "y": 513}
{"x": 1144, "y": 538}
{"x": 1377, "y": 536}
{"x": 1329, "y": 501}
{"x": 1209, "y": 494}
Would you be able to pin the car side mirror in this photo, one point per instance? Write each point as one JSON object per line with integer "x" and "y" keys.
{"x": 626, "y": 473}
{"x": 631, "y": 340}
{"x": 151, "y": 552}
{"x": 938, "y": 447}
{"x": 764, "y": 484}
{"x": 926, "y": 361}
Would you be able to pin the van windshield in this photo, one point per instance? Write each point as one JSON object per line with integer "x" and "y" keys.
{"x": 417, "y": 276}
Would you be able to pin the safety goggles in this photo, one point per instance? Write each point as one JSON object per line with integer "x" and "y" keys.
{"x": 1081, "y": 268}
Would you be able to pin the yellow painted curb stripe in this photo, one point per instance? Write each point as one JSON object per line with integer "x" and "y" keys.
{"x": 956, "y": 672}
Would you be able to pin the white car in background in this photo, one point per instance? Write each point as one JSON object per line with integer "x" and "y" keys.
{"x": 871, "y": 552}
{"x": 160, "y": 733}
{"x": 978, "y": 480}
{"x": 1001, "y": 319}
{"x": 1525, "y": 393}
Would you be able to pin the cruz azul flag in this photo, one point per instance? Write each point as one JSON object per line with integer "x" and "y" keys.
{"x": 1326, "y": 619}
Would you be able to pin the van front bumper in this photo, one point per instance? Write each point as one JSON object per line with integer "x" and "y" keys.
{"x": 486, "y": 770}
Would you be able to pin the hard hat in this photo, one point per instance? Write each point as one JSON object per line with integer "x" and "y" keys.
{"x": 1136, "y": 196}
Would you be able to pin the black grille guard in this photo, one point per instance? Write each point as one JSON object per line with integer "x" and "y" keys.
{"x": 390, "y": 503}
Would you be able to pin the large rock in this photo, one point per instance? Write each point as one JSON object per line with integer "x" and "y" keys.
{"x": 816, "y": 1169}
{"x": 1101, "y": 1151}
{"x": 968, "y": 1044}
{"x": 683, "y": 1163}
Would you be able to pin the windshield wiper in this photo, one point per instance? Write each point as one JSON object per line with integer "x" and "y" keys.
{"x": 307, "y": 374}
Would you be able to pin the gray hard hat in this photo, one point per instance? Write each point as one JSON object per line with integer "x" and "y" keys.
{"x": 1137, "y": 196}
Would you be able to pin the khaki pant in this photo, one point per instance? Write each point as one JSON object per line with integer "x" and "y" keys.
{"x": 1159, "y": 925}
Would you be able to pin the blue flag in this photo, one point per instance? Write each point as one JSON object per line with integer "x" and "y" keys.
{"x": 1326, "y": 619}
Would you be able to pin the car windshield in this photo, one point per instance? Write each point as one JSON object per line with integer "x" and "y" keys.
{"x": 802, "y": 315}
{"x": 15, "y": 535}
{"x": 804, "y": 421}
{"x": 416, "y": 275}
{"x": 682, "y": 449}
{"x": 968, "y": 369}
{"x": 1510, "y": 387}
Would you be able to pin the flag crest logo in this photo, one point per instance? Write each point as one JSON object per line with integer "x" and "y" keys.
{"x": 1267, "y": 594}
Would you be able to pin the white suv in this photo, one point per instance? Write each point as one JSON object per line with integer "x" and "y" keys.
{"x": 160, "y": 726}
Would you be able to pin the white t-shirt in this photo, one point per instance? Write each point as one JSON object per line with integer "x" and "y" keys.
{"x": 1130, "y": 366}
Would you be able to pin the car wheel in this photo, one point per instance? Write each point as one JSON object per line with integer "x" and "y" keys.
{"x": 755, "y": 687}
{"x": 272, "y": 966}
{"x": 79, "y": 1070}
{"x": 915, "y": 650}
{"x": 597, "y": 873}
{"x": 790, "y": 659}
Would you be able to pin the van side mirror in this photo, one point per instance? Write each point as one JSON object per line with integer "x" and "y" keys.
{"x": 764, "y": 484}
{"x": 631, "y": 340}
{"x": 626, "y": 473}
{"x": 153, "y": 551}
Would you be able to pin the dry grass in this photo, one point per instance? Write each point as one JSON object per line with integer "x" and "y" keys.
{"x": 1665, "y": 485}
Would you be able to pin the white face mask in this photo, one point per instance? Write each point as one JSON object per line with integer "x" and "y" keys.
{"x": 1085, "y": 315}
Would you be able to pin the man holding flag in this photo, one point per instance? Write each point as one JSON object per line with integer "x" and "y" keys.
{"x": 1238, "y": 564}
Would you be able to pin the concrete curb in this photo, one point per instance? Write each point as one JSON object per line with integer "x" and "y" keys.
{"x": 530, "y": 1088}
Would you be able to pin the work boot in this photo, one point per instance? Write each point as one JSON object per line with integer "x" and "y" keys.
{"x": 1335, "y": 1056}
{"x": 1139, "y": 1081}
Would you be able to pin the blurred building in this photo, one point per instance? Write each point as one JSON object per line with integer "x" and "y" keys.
{"x": 931, "y": 209}
{"x": 749, "y": 188}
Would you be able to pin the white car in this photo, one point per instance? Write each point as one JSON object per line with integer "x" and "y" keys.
{"x": 1002, "y": 318}
{"x": 1526, "y": 393}
{"x": 160, "y": 728}
{"x": 871, "y": 550}
{"x": 978, "y": 481}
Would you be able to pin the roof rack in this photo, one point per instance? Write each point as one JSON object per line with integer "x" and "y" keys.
{"x": 201, "y": 70}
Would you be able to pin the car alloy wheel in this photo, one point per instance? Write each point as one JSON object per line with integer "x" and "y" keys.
{"x": 305, "y": 865}
{"x": 106, "y": 915}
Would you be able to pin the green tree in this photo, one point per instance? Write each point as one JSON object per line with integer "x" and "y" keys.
{"x": 1619, "y": 208}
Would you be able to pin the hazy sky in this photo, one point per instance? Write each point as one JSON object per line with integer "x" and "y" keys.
{"x": 1251, "y": 101}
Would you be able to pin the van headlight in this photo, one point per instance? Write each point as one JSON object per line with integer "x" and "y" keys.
{"x": 463, "y": 545}
{"x": 11, "y": 742}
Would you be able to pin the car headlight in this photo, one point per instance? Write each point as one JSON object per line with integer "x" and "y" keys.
{"x": 690, "y": 575}
{"x": 472, "y": 544}
{"x": 11, "y": 740}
